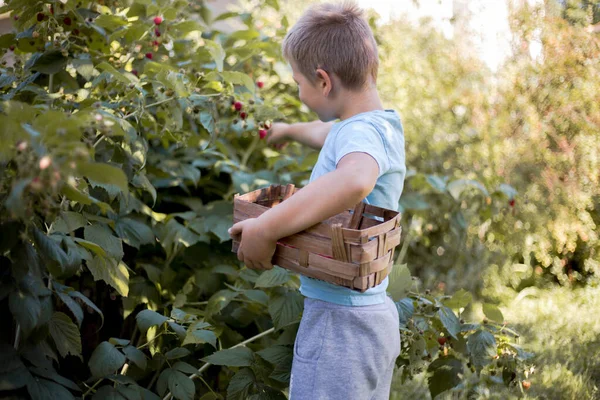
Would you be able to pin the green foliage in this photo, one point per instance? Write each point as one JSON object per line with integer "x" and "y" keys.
{"x": 122, "y": 152}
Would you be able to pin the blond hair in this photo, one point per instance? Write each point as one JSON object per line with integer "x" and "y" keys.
{"x": 337, "y": 39}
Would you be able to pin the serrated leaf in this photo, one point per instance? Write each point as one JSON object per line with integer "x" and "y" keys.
{"x": 103, "y": 237}
{"x": 493, "y": 313}
{"x": 136, "y": 356}
{"x": 133, "y": 232}
{"x": 273, "y": 277}
{"x": 26, "y": 309}
{"x": 199, "y": 336}
{"x": 104, "y": 173}
{"x": 107, "y": 392}
{"x": 258, "y": 296}
{"x": 88, "y": 302}
{"x": 449, "y": 320}
{"x": 240, "y": 384}
{"x": 458, "y": 186}
{"x": 275, "y": 354}
{"x": 400, "y": 282}
{"x": 220, "y": 300}
{"x": 178, "y": 352}
{"x": 285, "y": 308}
{"x": 147, "y": 318}
{"x": 216, "y": 51}
{"x": 445, "y": 373}
{"x": 105, "y": 360}
{"x": 236, "y": 357}
{"x": 239, "y": 78}
{"x": 73, "y": 306}
{"x": 65, "y": 334}
{"x": 185, "y": 368}
{"x": 406, "y": 309}
{"x": 113, "y": 272}
{"x": 459, "y": 300}
{"x": 50, "y": 62}
{"x": 181, "y": 386}
{"x": 482, "y": 347}
{"x": 42, "y": 389}
{"x": 12, "y": 370}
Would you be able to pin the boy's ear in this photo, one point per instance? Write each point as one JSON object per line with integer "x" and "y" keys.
{"x": 324, "y": 81}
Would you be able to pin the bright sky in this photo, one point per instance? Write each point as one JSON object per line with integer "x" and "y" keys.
{"x": 489, "y": 21}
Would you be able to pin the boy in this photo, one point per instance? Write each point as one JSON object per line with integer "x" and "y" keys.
{"x": 348, "y": 341}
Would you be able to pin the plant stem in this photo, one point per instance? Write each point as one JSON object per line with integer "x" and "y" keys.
{"x": 205, "y": 366}
{"x": 91, "y": 389}
{"x": 249, "y": 151}
{"x": 17, "y": 336}
{"x": 51, "y": 83}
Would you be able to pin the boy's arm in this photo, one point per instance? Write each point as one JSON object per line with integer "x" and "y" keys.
{"x": 311, "y": 134}
{"x": 331, "y": 194}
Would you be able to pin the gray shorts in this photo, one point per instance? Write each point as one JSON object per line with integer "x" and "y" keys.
{"x": 345, "y": 352}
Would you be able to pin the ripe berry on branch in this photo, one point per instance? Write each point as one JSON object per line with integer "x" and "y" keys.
{"x": 262, "y": 133}
{"x": 40, "y": 17}
{"x": 260, "y": 84}
{"x": 237, "y": 105}
{"x": 149, "y": 56}
{"x": 158, "y": 20}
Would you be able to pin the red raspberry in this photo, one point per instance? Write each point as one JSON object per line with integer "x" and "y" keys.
{"x": 67, "y": 21}
{"x": 40, "y": 17}
{"x": 511, "y": 202}
{"x": 16, "y": 17}
{"x": 157, "y": 32}
{"x": 237, "y": 105}
{"x": 149, "y": 56}
{"x": 260, "y": 84}
{"x": 262, "y": 133}
{"x": 75, "y": 32}
{"x": 134, "y": 72}
{"x": 243, "y": 115}
{"x": 442, "y": 340}
{"x": 158, "y": 20}
{"x": 155, "y": 43}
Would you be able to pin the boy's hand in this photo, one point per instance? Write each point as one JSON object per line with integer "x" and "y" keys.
{"x": 278, "y": 134}
{"x": 256, "y": 247}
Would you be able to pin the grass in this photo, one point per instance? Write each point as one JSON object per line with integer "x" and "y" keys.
{"x": 562, "y": 327}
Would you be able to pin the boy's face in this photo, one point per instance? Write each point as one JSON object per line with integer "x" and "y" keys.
{"x": 313, "y": 95}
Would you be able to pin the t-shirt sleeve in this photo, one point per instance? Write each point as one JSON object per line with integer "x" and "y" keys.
{"x": 362, "y": 137}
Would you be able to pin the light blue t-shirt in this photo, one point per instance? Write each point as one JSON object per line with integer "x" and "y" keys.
{"x": 380, "y": 134}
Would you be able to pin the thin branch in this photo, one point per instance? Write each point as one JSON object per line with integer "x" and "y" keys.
{"x": 205, "y": 366}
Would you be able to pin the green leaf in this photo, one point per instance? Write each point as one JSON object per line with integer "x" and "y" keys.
{"x": 265, "y": 113}
{"x": 276, "y": 354}
{"x": 110, "y": 22}
{"x": 400, "y": 282}
{"x": 105, "y": 360}
{"x": 437, "y": 183}
{"x": 51, "y": 62}
{"x": 26, "y": 310}
{"x": 87, "y": 302}
{"x": 200, "y": 336}
{"x": 56, "y": 257}
{"x": 147, "y": 318}
{"x": 52, "y": 375}
{"x": 240, "y": 384}
{"x": 97, "y": 249}
{"x": 239, "y": 78}
{"x": 178, "y": 352}
{"x": 285, "y": 308}
{"x": 113, "y": 272}
{"x": 460, "y": 185}
{"x": 42, "y": 389}
{"x": 185, "y": 368}
{"x": 482, "y": 347}
{"x": 216, "y": 51}
{"x": 493, "y": 313}
{"x": 181, "y": 386}
{"x": 104, "y": 66}
{"x": 459, "y": 300}
{"x": 449, "y": 320}
{"x": 406, "y": 309}
{"x": 102, "y": 236}
{"x": 136, "y": 356}
{"x": 107, "y": 392}
{"x": 258, "y": 296}
{"x": 133, "y": 232}
{"x": 73, "y": 306}
{"x": 236, "y": 357}
{"x": 273, "y": 277}
{"x": 445, "y": 373}
{"x": 13, "y": 373}
{"x": 220, "y": 300}
{"x": 65, "y": 335}
{"x": 68, "y": 222}
{"x": 104, "y": 173}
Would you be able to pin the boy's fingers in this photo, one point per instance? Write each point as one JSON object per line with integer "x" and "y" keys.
{"x": 236, "y": 229}
{"x": 240, "y": 255}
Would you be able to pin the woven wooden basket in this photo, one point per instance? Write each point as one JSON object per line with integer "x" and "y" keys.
{"x": 354, "y": 249}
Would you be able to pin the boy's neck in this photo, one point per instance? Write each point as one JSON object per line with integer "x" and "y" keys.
{"x": 353, "y": 103}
